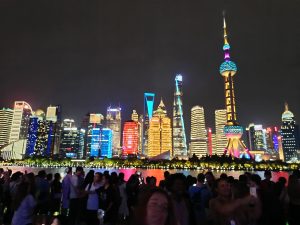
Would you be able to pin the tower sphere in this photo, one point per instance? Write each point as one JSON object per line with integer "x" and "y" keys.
{"x": 228, "y": 67}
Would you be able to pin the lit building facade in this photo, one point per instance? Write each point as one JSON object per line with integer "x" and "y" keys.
{"x": 93, "y": 127}
{"x": 160, "y": 132}
{"x": 233, "y": 131}
{"x": 209, "y": 141}
{"x": 130, "y": 138}
{"x": 220, "y": 122}
{"x": 198, "y": 144}
{"x": 72, "y": 140}
{"x": 20, "y": 121}
{"x": 135, "y": 116}
{"x": 290, "y": 136}
{"x": 6, "y": 116}
{"x": 106, "y": 143}
{"x": 148, "y": 113}
{"x": 53, "y": 114}
{"x": 256, "y": 137}
{"x": 113, "y": 122}
{"x": 39, "y": 135}
{"x": 179, "y": 135}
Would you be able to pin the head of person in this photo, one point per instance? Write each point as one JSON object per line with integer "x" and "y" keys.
{"x": 268, "y": 175}
{"x": 106, "y": 179}
{"x": 68, "y": 170}
{"x": 201, "y": 178}
{"x": 223, "y": 188}
{"x": 166, "y": 174}
{"x": 42, "y": 174}
{"x": 210, "y": 178}
{"x": 98, "y": 177}
{"x": 121, "y": 177}
{"x": 59, "y": 220}
{"x": 49, "y": 177}
{"x": 57, "y": 177}
{"x": 152, "y": 182}
{"x": 79, "y": 171}
{"x": 154, "y": 208}
{"x": 177, "y": 184}
{"x": 255, "y": 180}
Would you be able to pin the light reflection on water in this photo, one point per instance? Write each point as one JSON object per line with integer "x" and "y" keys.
{"x": 158, "y": 173}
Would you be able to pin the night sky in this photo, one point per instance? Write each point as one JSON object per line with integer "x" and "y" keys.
{"x": 87, "y": 55}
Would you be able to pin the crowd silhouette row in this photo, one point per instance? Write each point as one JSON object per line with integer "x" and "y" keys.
{"x": 106, "y": 198}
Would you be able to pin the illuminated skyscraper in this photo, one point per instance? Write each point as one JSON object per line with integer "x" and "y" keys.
{"x": 148, "y": 112}
{"x": 20, "y": 121}
{"x": 40, "y": 134}
{"x": 113, "y": 122}
{"x": 130, "y": 138}
{"x": 233, "y": 131}
{"x": 134, "y": 116}
{"x": 54, "y": 115}
{"x": 256, "y": 137}
{"x": 179, "y": 136}
{"x": 160, "y": 132}
{"x": 6, "y": 116}
{"x": 209, "y": 141}
{"x": 290, "y": 136}
{"x": 72, "y": 140}
{"x": 272, "y": 136}
{"x": 93, "y": 135}
{"x": 106, "y": 143}
{"x": 221, "y": 140}
{"x": 198, "y": 145}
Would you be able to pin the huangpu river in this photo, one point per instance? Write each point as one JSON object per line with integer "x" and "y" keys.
{"x": 158, "y": 173}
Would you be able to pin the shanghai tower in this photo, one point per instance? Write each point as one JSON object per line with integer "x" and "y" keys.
{"x": 179, "y": 137}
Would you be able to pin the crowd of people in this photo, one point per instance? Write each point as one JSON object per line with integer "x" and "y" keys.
{"x": 106, "y": 198}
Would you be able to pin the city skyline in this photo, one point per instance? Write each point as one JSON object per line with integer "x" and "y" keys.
{"x": 146, "y": 53}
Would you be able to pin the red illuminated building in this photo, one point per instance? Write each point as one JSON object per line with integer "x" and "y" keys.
{"x": 130, "y": 138}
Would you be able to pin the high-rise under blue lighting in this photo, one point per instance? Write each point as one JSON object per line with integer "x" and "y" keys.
{"x": 31, "y": 136}
{"x": 149, "y": 100}
{"x": 106, "y": 143}
{"x": 95, "y": 142}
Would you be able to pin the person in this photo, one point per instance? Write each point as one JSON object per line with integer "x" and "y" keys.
{"x": 294, "y": 198}
{"x": 66, "y": 186}
{"x": 56, "y": 193}
{"x": 43, "y": 192}
{"x": 123, "y": 209}
{"x": 24, "y": 205}
{"x": 162, "y": 183}
{"x": 108, "y": 200}
{"x": 154, "y": 207}
{"x": 182, "y": 207}
{"x": 226, "y": 210}
{"x": 76, "y": 196}
{"x": 93, "y": 200}
{"x": 200, "y": 196}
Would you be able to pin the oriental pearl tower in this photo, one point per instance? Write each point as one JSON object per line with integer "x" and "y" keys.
{"x": 233, "y": 131}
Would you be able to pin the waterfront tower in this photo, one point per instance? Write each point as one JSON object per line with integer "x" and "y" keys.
{"x": 179, "y": 136}
{"x": 148, "y": 113}
{"x": 233, "y": 131}
{"x": 113, "y": 122}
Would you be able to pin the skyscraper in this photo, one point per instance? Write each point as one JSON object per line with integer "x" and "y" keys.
{"x": 72, "y": 140}
{"x": 198, "y": 145}
{"x": 6, "y": 116}
{"x": 53, "y": 114}
{"x": 160, "y": 132}
{"x": 220, "y": 122}
{"x": 179, "y": 136}
{"x": 93, "y": 127}
{"x": 106, "y": 143}
{"x": 130, "y": 138}
{"x": 148, "y": 112}
{"x": 256, "y": 137}
{"x": 134, "y": 116}
{"x": 290, "y": 136}
{"x": 113, "y": 122}
{"x": 233, "y": 131}
{"x": 40, "y": 134}
{"x": 20, "y": 121}
{"x": 209, "y": 141}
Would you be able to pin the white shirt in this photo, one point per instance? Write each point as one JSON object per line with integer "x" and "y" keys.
{"x": 93, "y": 200}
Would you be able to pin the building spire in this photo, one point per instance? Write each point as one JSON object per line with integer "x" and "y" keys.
{"x": 225, "y": 31}
{"x": 286, "y": 106}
